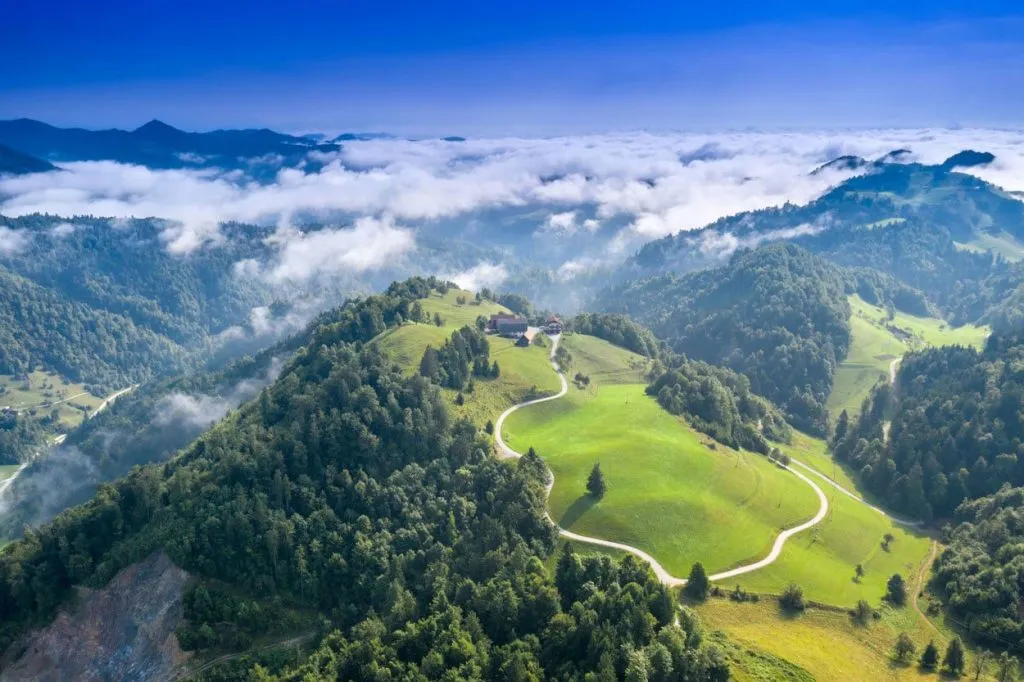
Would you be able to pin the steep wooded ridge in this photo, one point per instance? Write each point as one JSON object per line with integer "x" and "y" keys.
{"x": 957, "y": 424}
{"x": 778, "y": 314}
{"x": 925, "y": 225}
{"x": 345, "y": 488}
{"x": 13, "y": 162}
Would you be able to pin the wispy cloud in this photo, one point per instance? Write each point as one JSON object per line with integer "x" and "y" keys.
{"x": 11, "y": 241}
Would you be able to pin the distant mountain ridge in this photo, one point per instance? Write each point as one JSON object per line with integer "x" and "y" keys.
{"x": 159, "y": 145}
{"x": 13, "y": 162}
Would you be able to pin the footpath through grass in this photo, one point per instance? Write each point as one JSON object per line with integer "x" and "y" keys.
{"x": 669, "y": 493}
{"x": 877, "y": 341}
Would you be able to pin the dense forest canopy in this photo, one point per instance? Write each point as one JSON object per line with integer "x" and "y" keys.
{"x": 778, "y": 314}
{"x": 950, "y": 429}
{"x": 981, "y": 571}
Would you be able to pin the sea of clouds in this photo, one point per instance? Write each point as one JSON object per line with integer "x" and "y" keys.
{"x": 375, "y": 195}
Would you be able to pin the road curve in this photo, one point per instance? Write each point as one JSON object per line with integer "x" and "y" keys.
{"x": 901, "y": 521}
{"x": 664, "y": 576}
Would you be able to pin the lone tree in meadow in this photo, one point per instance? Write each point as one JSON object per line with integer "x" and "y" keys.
{"x": 595, "y": 482}
{"x": 930, "y": 657}
{"x": 904, "y": 649}
{"x": 698, "y": 585}
{"x": 896, "y": 590}
{"x": 792, "y": 598}
{"x": 955, "y": 660}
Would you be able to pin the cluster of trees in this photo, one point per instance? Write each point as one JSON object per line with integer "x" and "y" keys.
{"x": 466, "y": 354}
{"x": 346, "y": 488}
{"x": 19, "y": 436}
{"x": 981, "y": 571}
{"x": 618, "y": 330}
{"x": 951, "y": 428}
{"x": 720, "y": 403}
{"x": 598, "y": 621}
{"x": 777, "y": 314}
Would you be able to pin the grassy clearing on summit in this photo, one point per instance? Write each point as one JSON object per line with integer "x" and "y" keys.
{"x": 603, "y": 362}
{"x": 524, "y": 371}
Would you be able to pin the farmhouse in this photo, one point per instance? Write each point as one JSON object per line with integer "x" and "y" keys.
{"x": 507, "y": 325}
{"x": 553, "y": 325}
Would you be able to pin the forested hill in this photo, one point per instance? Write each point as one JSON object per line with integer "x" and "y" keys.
{"x": 105, "y": 303}
{"x": 777, "y": 314}
{"x": 949, "y": 234}
{"x": 957, "y": 424}
{"x": 40, "y": 328}
{"x": 346, "y": 489}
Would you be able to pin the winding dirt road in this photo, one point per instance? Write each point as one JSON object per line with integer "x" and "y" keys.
{"x": 663, "y": 575}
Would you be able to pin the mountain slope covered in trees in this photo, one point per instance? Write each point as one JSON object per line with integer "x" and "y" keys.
{"x": 345, "y": 487}
{"x": 779, "y": 315}
{"x": 13, "y": 162}
{"x": 929, "y": 226}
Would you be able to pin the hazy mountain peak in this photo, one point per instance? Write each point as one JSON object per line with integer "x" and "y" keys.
{"x": 157, "y": 129}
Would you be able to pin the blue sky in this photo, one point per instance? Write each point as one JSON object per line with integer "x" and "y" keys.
{"x": 521, "y": 68}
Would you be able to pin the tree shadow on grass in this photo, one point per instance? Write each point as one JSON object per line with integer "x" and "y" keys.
{"x": 576, "y": 510}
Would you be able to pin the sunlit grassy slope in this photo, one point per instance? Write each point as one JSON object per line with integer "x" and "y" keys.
{"x": 668, "y": 492}
{"x": 877, "y": 341}
{"x": 820, "y": 645}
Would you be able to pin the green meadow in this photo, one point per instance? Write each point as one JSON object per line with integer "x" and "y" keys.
{"x": 877, "y": 341}
{"x": 669, "y": 493}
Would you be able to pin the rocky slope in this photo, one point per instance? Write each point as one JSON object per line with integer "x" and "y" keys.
{"x": 124, "y": 631}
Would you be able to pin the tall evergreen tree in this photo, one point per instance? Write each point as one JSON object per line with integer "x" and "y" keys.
{"x": 697, "y": 584}
{"x": 955, "y": 660}
{"x": 595, "y": 482}
{"x": 930, "y": 656}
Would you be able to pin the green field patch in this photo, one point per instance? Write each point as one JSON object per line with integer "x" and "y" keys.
{"x": 669, "y": 493}
{"x": 8, "y": 470}
{"x": 40, "y": 392}
{"x": 1002, "y": 243}
{"x": 827, "y": 644}
{"x": 877, "y": 340}
{"x": 603, "y": 362}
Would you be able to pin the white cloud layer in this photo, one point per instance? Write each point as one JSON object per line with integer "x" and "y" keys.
{"x": 651, "y": 185}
